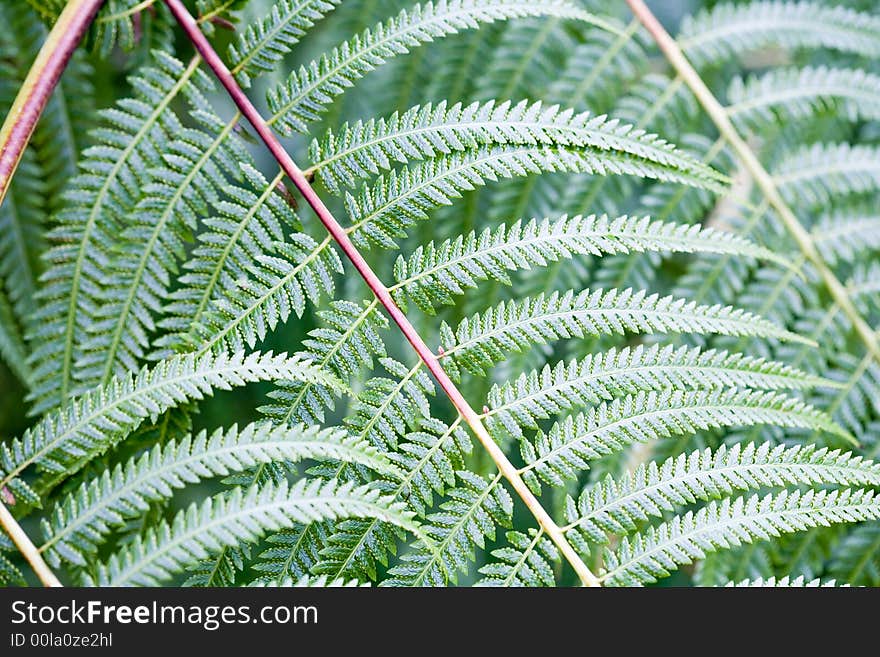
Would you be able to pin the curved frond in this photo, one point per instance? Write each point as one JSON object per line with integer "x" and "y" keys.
{"x": 434, "y": 274}
{"x": 569, "y": 446}
{"x": 65, "y": 439}
{"x": 347, "y": 340}
{"x": 86, "y": 515}
{"x": 99, "y": 200}
{"x": 657, "y": 552}
{"x": 467, "y": 519}
{"x": 306, "y": 94}
{"x": 814, "y": 175}
{"x": 527, "y": 560}
{"x": 364, "y": 149}
{"x": 787, "y": 95}
{"x": 249, "y": 222}
{"x": 617, "y": 506}
{"x": 539, "y": 395}
{"x": 241, "y": 515}
{"x": 844, "y": 235}
{"x": 728, "y": 29}
{"x": 483, "y": 340}
{"x": 263, "y": 43}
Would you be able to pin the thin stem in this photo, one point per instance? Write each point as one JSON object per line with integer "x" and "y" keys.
{"x": 39, "y": 84}
{"x": 760, "y": 175}
{"x": 27, "y": 548}
{"x": 505, "y": 467}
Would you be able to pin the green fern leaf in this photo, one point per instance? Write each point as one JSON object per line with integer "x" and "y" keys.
{"x": 618, "y": 506}
{"x": 482, "y": 340}
{"x": 364, "y": 149}
{"x": 784, "y": 582}
{"x": 787, "y": 95}
{"x": 309, "y": 581}
{"x": 240, "y": 515}
{"x": 855, "y": 559}
{"x": 431, "y": 459}
{"x": 292, "y": 553}
{"x": 99, "y": 200}
{"x": 179, "y": 190}
{"x": 729, "y": 30}
{"x": 719, "y": 525}
{"x": 250, "y": 220}
{"x": 347, "y": 340}
{"x": 12, "y": 346}
{"x": 434, "y": 274}
{"x": 525, "y": 561}
{"x": 844, "y": 235}
{"x": 571, "y": 444}
{"x": 813, "y": 175}
{"x": 601, "y": 377}
{"x": 304, "y": 97}
{"x": 386, "y": 407}
{"x": 86, "y": 515}
{"x": 63, "y": 441}
{"x": 467, "y": 519}
{"x": 299, "y": 270}
{"x": 264, "y": 43}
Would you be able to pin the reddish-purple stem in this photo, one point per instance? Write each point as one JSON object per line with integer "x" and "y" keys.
{"x": 41, "y": 81}
{"x": 378, "y": 288}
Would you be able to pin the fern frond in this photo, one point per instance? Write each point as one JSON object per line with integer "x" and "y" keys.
{"x": 249, "y": 222}
{"x": 98, "y": 201}
{"x": 571, "y": 444}
{"x": 382, "y": 211}
{"x": 83, "y": 519}
{"x": 298, "y": 270}
{"x": 845, "y": 235}
{"x": 483, "y": 340}
{"x": 525, "y": 561}
{"x": 601, "y": 377}
{"x": 787, "y": 95}
{"x": 65, "y": 439}
{"x": 364, "y": 149}
{"x": 386, "y": 407}
{"x": 618, "y": 506}
{"x": 658, "y": 551}
{"x": 596, "y": 69}
{"x": 431, "y": 459}
{"x": 728, "y": 30}
{"x": 306, "y": 94}
{"x": 434, "y": 274}
{"x": 814, "y": 175}
{"x": 265, "y": 42}
{"x": 292, "y": 552}
{"x": 241, "y": 515}
{"x": 22, "y": 222}
{"x": 180, "y": 189}
{"x": 347, "y": 340}
{"x": 467, "y": 519}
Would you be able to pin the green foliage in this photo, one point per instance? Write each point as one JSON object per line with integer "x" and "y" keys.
{"x": 264, "y": 43}
{"x": 202, "y": 529}
{"x": 720, "y": 525}
{"x": 659, "y": 361}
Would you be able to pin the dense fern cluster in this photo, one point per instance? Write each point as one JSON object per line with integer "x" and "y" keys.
{"x": 658, "y": 362}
